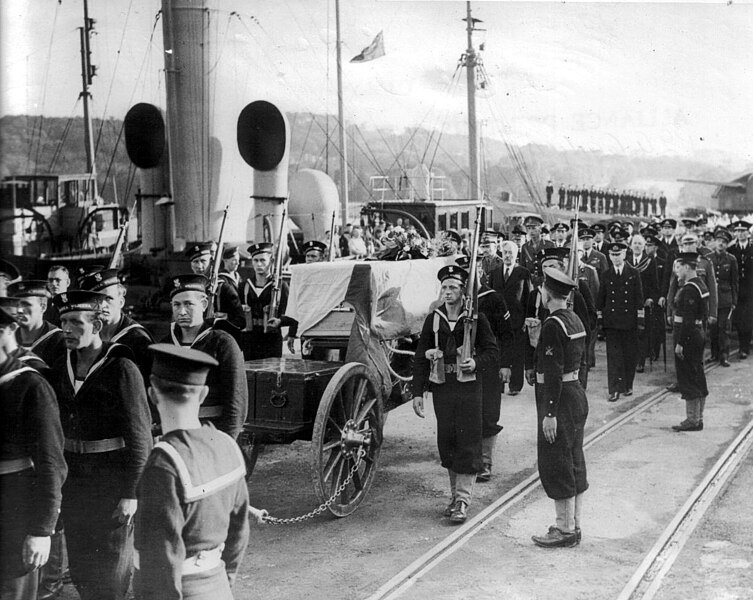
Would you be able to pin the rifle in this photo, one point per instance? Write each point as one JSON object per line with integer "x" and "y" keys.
{"x": 331, "y": 249}
{"x": 271, "y": 310}
{"x": 471, "y": 303}
{"x": 118, "y": 251}
{"x": 214, "y": 277}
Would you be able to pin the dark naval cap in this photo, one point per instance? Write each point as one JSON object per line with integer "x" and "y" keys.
{"x": 554, "y": 253}
{"x": 688, "y": 258}
{"x": 533, "y": 220}
{"x": 599, "y": 228}
{"x": 195, "y": 251}
{"x": 489, "y": 236}
{"x": 181, "y": 365}
{"x": 561, "y": 226}
{"x": 99, "y": 280}
{"x": 8, "y": 310}
{"x": 29, "y": 289}
{"x": 669, "y": 223}
{"x": 231, "y": 251}
{"x": 75, "y": 300}
{"x": 723, "y": 234}
{"x": 260, "y": 248}
{"x": 556, "y": 281}
{"x": 585, "y": 233}
{"x": 453, "y": 272}
{"x": 313, "y": 246}
{"x": 189, "y": 283}
{"x": 9, "y": 270}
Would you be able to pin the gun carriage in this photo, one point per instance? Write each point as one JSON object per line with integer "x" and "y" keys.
{"x": 340, "y": 406}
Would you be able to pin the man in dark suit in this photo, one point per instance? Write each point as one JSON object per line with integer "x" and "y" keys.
{"x": 646, "y": 266}
{"x": 514, "y": 283}
{"x": 620, "y": 299}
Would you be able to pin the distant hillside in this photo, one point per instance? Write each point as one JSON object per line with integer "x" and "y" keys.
{"x": 44, "y": 145}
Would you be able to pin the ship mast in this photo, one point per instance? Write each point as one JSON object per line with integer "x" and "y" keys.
{"x": 88, "y": 71}
{"x": 470, "y": 60}
{"x": 341, "y": 120}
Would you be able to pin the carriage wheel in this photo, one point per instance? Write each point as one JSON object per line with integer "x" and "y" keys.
{"x": 349, "y": 419}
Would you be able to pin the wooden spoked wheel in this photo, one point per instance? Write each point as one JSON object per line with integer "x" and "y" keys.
{"x": 348, "y": 424}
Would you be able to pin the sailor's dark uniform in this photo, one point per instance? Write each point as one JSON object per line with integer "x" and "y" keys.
{"x": 458, "y": 406}
{"x": 690, "y": 314}
{"x": 255, "y": 343}
{"x": 107, "y": 430}
{"x": 192, "y": 524}
{"x": 49, "y": 346}
{"x": 135, "y": 336}
{"x": 492, "y": 305}
{"x": 30, "y": 359}
{"x": 228, "y": 302}
{"x": 743, "y": 316}
{"x": 561, "y": 347}
{"x": 32, "y": 470}
{"x": 226, "y": 405}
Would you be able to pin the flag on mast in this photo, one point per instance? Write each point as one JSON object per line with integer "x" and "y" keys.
{"x": 374, "y": 50}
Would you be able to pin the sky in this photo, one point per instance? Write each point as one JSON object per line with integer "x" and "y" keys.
{"x": 656, "y": 79}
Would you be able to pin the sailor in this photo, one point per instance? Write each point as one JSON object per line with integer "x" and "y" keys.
{"x": 487, "y": 249}
{"x": 705, "y": 270}
{"x": 313, "y": 251}
{"x": 689, "y": 315}
{"x": 116, "y": 326}
{"x": 727, "y": 285}
{"x": 8, "y": 274}
{"x": 513, "y": 282}
{"x": 257, "y": 296}
{"x": 12, "y": 349}
{"x": 535, "y": 244}
{"x": 226, "y": 405}
{"x": 458, "y": 404}
{"x": 58, "y": 281}
{"x": 549, "y": 192}
{"x": 192, "y": 525}
{"x": 662, "y": 204}
{"x": 32, "y": 469}
{"x": 107, "y": 430}
{"x": 742, "y": 318}
{"x": 646, "y": 267}
{"x": 492, "y": 305}
{"x": 561, "y": 196}
{"x": 226, "y": 301}
{"x": 620, "y": 299}
{"x": 581, "y": 303}
{"x": 231, "y": 260}
{"x": 34, "y": 333}
{"x": 562, "y": 409}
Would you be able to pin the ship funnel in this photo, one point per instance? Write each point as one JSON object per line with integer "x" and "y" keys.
{"x": 263, "y": 137}
{"x": 146, "y": 145}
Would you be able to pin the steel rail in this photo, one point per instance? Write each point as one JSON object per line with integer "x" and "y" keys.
{"x": 405, "y": 579}
{"x": 648, "y": 578}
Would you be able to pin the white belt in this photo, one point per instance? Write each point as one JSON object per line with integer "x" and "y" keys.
{"x": 679, "y": 319}
{"x": 15, "y": 465}
{"x": 565, "y": 377}
{"x": 206, "y": 412}
{"x": 205, "y": 560}
{"x": 93, "y": 446}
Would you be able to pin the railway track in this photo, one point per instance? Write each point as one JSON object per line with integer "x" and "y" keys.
{"x": 656, "y": 563}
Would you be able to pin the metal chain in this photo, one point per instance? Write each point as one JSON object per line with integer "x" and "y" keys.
{"x": 324, "y": 505}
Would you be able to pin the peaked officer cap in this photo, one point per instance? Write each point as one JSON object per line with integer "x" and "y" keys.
{"x": 533, "y": 220}
{"x": 723, "y": 234}
{"x": 260, "y": 248}
{"x": 557, "y": 253}
{"x": 181, "y": 365}
{"x": 189, "y": 283}
{"x": 561, "y": 226}
{"x": 599, "y": 228}
{"x": 669, "y": 223}
{"x": 740, "y": 225}
{"x": 453, "y": 272}
{"x": 99, "y": 280}
{"x": 616, "y": 247}
{"x": 29, "y": 288}
{"x": 74, "y": 300}
{"x": 518, "y": 230}
{"x": 586, "y": 232}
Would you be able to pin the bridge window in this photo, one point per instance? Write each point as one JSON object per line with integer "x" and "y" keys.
{"x": 454, "y": 220}
{"x": 465, "y": 220}
{"x": 442, "y": 222}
